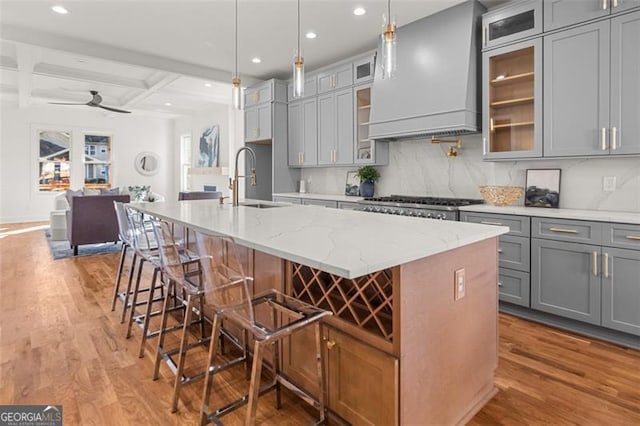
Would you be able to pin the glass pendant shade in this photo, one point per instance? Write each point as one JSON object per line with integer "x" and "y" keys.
{"x": 236, "y": 93}
{"x": 298, "y": 77}
{"x": 388, "y": 48}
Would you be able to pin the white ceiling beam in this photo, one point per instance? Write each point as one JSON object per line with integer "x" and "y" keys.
{"x": 25, "y": 60}
{"x": 198, "y": 96}
{"x": 69, "y": 44}
{"x": 8, "y": 63}
{"x": 68, "y": 73}
{"x": 162, "y": 80}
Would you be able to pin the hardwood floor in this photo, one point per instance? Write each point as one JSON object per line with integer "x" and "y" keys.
{"x": 61, "y": 344}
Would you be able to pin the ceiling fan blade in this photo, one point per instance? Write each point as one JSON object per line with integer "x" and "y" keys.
{"x": 66, "y": 103}
{"x": 113, "y": 109}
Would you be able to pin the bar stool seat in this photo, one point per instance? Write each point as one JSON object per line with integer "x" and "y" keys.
{"x": 268, "y": 317}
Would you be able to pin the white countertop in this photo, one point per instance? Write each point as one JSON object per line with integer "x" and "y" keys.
{"x": 343, "y": 242}
{"x": 312, "y": 196}
{"x": 593, "y": 215}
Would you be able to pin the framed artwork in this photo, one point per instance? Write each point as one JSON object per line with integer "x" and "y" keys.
{"x": 542, "y": 188}
{"x": 209, "y": 147}
{"x": 352, "y": 186}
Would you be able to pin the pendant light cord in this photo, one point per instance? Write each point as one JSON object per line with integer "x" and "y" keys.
{"x": 389, "y": 11}
{"x": 236, "y": 76}
{"x": 299, "y": 28}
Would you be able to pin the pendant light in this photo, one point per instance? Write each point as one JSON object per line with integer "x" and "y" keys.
{"x": 236, "y": 90}
{"x": 388, "y": 44}
{"x": 298, "y": 66}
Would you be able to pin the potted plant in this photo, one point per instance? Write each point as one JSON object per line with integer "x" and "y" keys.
{"x": 368, "y": 175}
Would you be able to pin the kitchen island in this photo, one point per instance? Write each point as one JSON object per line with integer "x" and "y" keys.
{"x": 405, "y": 346}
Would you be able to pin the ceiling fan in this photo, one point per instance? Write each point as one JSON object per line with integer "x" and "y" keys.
{"x": 94, "y": 102}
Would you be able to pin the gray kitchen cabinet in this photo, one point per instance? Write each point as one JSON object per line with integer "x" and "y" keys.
{"x": 283, "y": 199}
{"x": 303, "y": 143}
{"x": 621, "y": 290}
{"x": 591, "y": 84}
{"x": 561, "y": 13}
{"x": 257, "y": 123}
{"x": 258, "y": 94}
{"x": 310, "y": 87}
{"x": 335, "y": 78}
{"x": 514, "y": 287}
{"x": 512, "y": 101}
{"x": 625, "y": 84}
{"x": 513, "y": 21}
{"x": 565, "y": 279}
{"x": 363, "y": 69}
{"x": 514, "y": 256}
{"x": 576, "y": 91}
{"x": 621, "y": 235}
{"x": 322, "y": 203}
{"x": 335, "y": 127}
{"x": 567, "y": 230}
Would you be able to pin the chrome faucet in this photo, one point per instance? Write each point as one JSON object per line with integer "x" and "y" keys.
{"x": 233, "y": 183}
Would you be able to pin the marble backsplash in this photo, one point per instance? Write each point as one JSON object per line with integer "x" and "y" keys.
{"x": 421, "y": 168}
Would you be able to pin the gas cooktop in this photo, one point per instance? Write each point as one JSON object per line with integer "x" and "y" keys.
{"x": 425, "y": 201}
{"x": 428, "y": 207}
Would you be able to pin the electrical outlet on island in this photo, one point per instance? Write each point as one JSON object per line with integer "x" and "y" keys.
{"x": 459, "y": 284}
{"x": 609, "y": 183}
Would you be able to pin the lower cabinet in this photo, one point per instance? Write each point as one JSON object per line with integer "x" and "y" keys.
{"x": 361, "y": 381}
{"x": 292, "y": 200}
{"x": 565, "y": 279}
{"x": 323, "y": 203}
{"x": 513, "y": 287}
{"x": 621, "y": 290}
{"x": 348, "y": 205}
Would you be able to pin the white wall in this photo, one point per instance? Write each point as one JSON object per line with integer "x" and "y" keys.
{"x": 421, "y": 168}
{"x": 19, "y": 198}
{"x": 230, "y": 122}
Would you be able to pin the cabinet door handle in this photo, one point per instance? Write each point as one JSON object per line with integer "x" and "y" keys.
{"x": 499, "y": 284}
{"x": 484, "y": 36}
{"x": 603, "y": 137}
{"x": 565, "y": 230}
{"x": 330, "y": 344}
{"x": 491, "y": 125}
{"x": 484, "y": 146}
{"x": 633, "y": 237}
{"x": 605, "y": 4}
{"x": 606, "y": 265}
{"x": 302, "y": 158}
{"x": 615, "y": 3}
{"x": 614, "y": 138}
{"x": 491, "y": 223}
{"x": 499, "y": 251}
{"x": 595, "y": 263}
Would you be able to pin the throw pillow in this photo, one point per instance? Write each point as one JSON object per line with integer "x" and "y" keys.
{"x": 110, "y": 191}
{"x": 139, "y": 193}
{"x": 71, "y": 193}
{"x": 91, "y": 191}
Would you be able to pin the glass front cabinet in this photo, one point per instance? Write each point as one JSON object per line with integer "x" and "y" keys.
{"x": 512, "y": 101}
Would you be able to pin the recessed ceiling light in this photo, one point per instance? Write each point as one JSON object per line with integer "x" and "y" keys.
{"x": 207, "y": 85}
{"x": 256, "y": 60}
{"x": 359, "y": 11}
{"x": 59, "y": 9}
{"x": 311, "y": 34}
{"x": 167, "y": 104}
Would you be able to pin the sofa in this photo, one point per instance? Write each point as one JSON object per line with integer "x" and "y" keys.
{"x": 92, "y": 219}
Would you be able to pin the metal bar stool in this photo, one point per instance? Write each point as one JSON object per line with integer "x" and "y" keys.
{"x": 180, "y": 278}
{"x": 124, "y": 233}
{"x": 268, "y": 316}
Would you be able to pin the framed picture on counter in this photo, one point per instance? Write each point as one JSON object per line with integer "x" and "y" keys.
{"x": 352, "y": 187}
{"x": 542, "y": 188}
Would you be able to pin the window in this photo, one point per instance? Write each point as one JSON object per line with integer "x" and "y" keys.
{"x": 185, "y": 161}
{"x": 53, "y": 160}
{"x": 97, "y": 161}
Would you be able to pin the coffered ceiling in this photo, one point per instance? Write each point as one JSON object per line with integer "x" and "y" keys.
{"x": 143, "y": 55}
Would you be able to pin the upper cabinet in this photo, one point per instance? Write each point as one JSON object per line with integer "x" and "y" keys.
{"x": 560, "y": 13}
{"x": 303, "y": 138}
{"x": 310, "y": 88}
{"x": 591, "y": 83}
{"x": 363, "y": 69}
{"x": 512, "y": 22}
{"x": 335, "y": 78}
{"x": 512, "y": 101}
{"x": 335, "y": 127}
{"x": 258, "y": 109}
